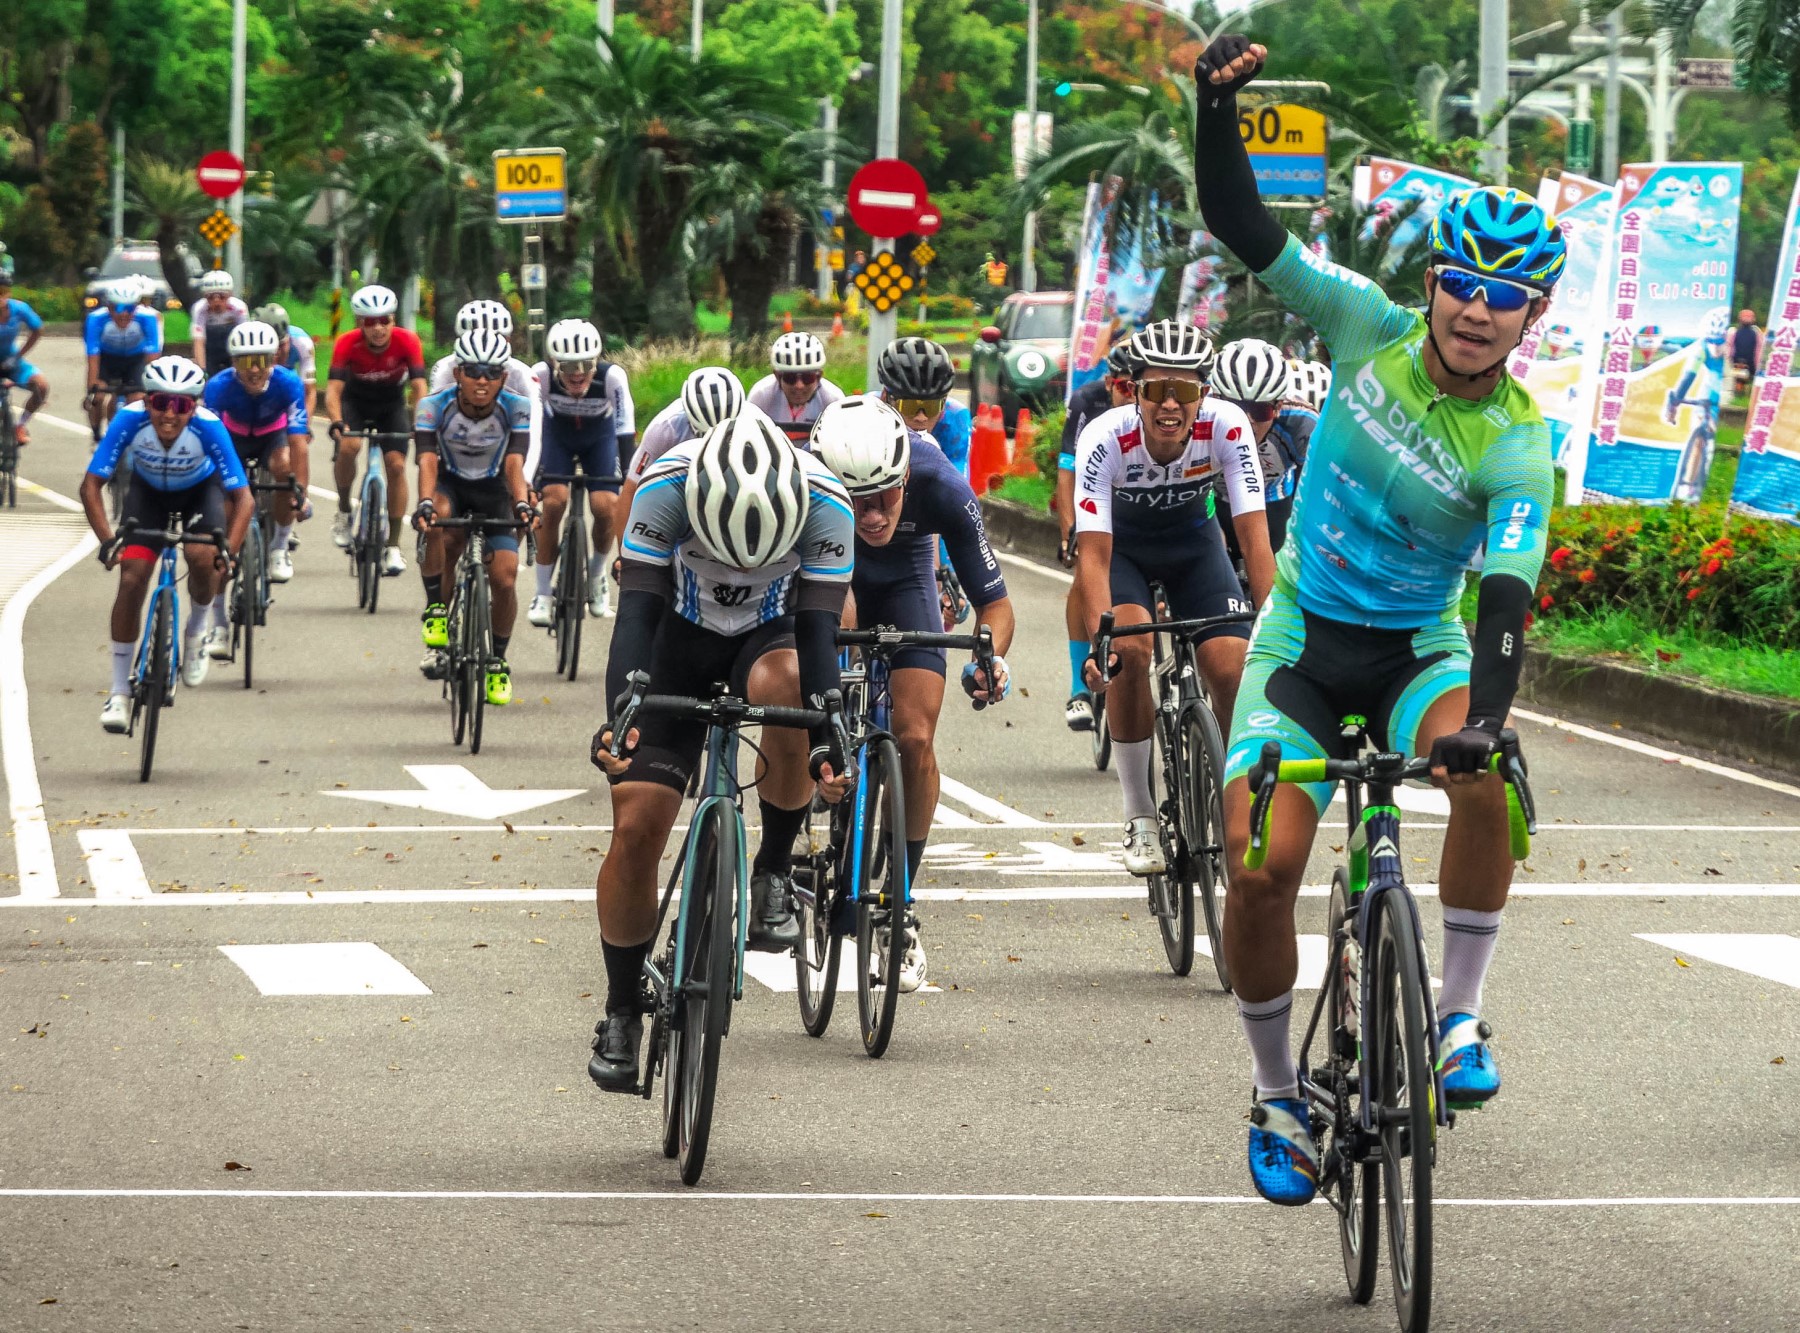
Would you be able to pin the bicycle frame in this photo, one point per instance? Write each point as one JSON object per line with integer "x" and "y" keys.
{"x": 164, "y": 587}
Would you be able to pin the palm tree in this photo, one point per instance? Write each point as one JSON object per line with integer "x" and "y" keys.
{"x": 171, "y": 201}
{"x": 280, "y": 245}
{"x": 1765, "y": 36}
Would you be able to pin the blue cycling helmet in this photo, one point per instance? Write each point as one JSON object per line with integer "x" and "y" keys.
{"x": 1502, "y": 233}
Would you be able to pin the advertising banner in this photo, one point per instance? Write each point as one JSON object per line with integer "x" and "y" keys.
{"x": 1559, "y": 360}
{"x": 1768, "y": 478}
{"x": 1114, "y": 287}
{"x": 1384, "y": 186}
{"x": 1201, "y": 301}
{"x": 1668, "y": 314}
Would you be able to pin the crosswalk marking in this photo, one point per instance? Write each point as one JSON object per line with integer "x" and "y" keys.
{"x": 1771, "y": 957}
{"x": 340, "y": 968}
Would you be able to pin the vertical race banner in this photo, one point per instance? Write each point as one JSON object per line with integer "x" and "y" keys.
{"x": 1768, "y": 478}
{"x": 1668, "y": 313}
{"x": 1385, "y": 186}
{"x": 1201, "y": 300}
{"x": 1559, "y": 360}
{"x": 1115, "y": 285}
{"x": 1092, "y": 270}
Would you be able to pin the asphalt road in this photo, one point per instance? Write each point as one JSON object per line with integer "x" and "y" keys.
{"x": 1055, "y": 1139}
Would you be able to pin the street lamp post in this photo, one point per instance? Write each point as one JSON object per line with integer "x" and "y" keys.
{"x": 699, "y": 19}
{"x": 1496, "y": 17}
{"x": 882, "y": 324}
{"x": 1028, "y": 246}
{"x": 234, "y": 250}
{"x": 603, "y": 20}
{"x": 828, "y": 177}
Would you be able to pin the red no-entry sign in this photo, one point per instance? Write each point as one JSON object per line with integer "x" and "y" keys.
{"x": 220, "y": 174}
{"x": 887, "y": 196}
{"x": 929, "y": 222}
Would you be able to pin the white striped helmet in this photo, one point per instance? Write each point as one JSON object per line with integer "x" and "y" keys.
{"x": 797, "y": 351}
{"x": 746, "y": 493}
{"x": 482, "y": 347}
{"x": 1251, "y": 371}
{"x": 711, "y": 395}
{"x": 252, "y": 338}
{"x": 373, "y": 301}
{"x": 174, "y": 374}
{"x": 484, "y": 315}
{"x": 1171, "y": 345}
{"x": 864, "y": 441}
{"x": 1310, "y": 383}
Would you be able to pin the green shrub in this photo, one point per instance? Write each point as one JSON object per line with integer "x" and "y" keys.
{"x": 58, "y": 305}
{"x": 1682, "y": 568}
{"x": 1049, "y": 441}
{"x": 656, "y": 372}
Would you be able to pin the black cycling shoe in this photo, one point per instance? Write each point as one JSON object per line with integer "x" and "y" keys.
{"x": 615, "y": 1063}
{"x": 773, "y": 927}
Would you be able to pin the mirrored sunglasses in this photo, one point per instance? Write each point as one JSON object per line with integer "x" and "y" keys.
{"x": 911, "y": 407}
{"x": 586, "y": 367}
{"x": 253, "y": 360}
{"x": 481, "y": 370}
{"x": 180, "y": 404}
{"x": 799, "y": 377}
{"x": 376, "y": 321}
{"x": 1182, "y": 391}
{"x": 1499, "y": 293}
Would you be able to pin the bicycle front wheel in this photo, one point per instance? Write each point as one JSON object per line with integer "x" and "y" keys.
{"x": 1396, "y": 1044}
{"x": 246, "y": 584}
{"x": 160, "y": 672}
{"x": 1357, "y": 1183}
{"x": 816, "y": 891}
{"x": 1203, "y": 825}
{"x": 480, "y": 649}
{"x": 706, "y": 984}
{"x": 881, "y": 908}
{"x": 1100, "y": 738}
{"x": 370, "y": 533}
{"x": 456, "y": 679}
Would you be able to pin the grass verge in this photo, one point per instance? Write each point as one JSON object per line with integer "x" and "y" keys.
{"x": 1619, "y": 636}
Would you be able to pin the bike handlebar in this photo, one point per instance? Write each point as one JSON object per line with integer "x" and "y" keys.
{"x": 1181, "y": 629}
{"x": 726, "y": 710}
{"x": 570, "y": 478}
{"x": 886, "y": 640}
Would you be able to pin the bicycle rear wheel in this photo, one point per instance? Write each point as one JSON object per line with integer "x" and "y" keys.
{"x": 154, "y": 687}
{"x": 1203, "y": 825}
{"x": 881, "y": 909}
{"x": 456, "y": 678}
{"x": 1100, "y": 738}
{"x": 706, "y": 987}
{"x": 1358, "y": 1184}
{"x": 1396, "y": 1045}
{"x": 246, "y": 585}
{"x": 816, "y": 890}
{"x": 480, "y": 649}
{"x": 569, "y": 609}
{"x": 370, "y": 533}
{"x": 9, "y": 456}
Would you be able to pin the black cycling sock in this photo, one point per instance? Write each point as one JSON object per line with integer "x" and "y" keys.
{"x": 624, "y": 975}
{"x": 915, "y": 853}
{"x": 434, "y": 588}
{"x": 500, "y": 642}
{"x": 779, "y": 829}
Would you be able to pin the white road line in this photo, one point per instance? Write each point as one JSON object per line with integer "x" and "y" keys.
{"x": 1667, "y": 756}
{"x": 31, "y": 832}
{"x": 290, "y": 830}
{"x": 56, "y": 498}
{"x": 112, "y": 864}
{"x": 985, "y": 805}
{"x": 336, "y": 968}
{"x": 834, "y": 1196}
{"x": 1061, "y": 576}
{"x": 1771, "y": 957}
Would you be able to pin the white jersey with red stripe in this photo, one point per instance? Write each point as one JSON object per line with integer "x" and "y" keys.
{"x": 1121, "y": 489}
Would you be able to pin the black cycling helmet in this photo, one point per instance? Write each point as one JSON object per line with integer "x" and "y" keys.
{"x": 1124, "y": 360}
{"x": 915, "y": 368}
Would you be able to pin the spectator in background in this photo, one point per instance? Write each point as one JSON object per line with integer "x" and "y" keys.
{"x": 1746, "y": 350}
{"x": 858, "y": 262}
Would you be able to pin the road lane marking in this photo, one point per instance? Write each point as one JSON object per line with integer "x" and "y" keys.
{"x": 112, "y": 864}
{"x": 1061, "y": 576}
{"x": 1771, "y": 957}
{"x": 452, "y": 789}
{"x": 290, "y": 830}
{"x": 985, "y": 805}
{"x": 776, "y": 971}
{"x": 838, "y": 1196}
{"x": 337, "y": 968}
{"x": 18, "y": 759}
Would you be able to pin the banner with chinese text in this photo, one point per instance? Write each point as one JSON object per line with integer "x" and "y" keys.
{"x": 1768, "y": 477}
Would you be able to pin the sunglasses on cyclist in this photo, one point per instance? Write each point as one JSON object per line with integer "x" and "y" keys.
{"x": 376, "y": 321}
{"x": 799, "y": 377}
{"x": 481, "y": 370}
{"x": 876, "y": 500}
{"x": 1499, "y": 293}
{"x": 254, "y": 360}
{"x": 577, "y": 367}
{"x": 180, "y": 404}
{"x": 1258, "y": 412}
{"x": 1124, "y": 384}
{"x": 911, "y": 407}
{"x": 1182, "y": 391}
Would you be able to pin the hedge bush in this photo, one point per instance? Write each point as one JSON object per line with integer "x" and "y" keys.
{"x": 1680, "y": 568}
{"x": 56, "y": 305}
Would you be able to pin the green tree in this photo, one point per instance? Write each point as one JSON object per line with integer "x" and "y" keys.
{"x": 166, "y": 196}
{"x": 75, "y": 180}
{"x": 35, "y": 238}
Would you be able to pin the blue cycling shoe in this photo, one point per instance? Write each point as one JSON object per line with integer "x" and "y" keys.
{"x": 1284, "y": 1160}
{"x": 1470, "y": 1075}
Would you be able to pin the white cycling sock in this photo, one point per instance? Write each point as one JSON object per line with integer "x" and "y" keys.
{"x": 544, "y": 574}
{"x": 202, "y": 619}
{"x": 122, "y": 654}
{"x": 597, "y": 564}
{"x": 1469, "y": 940}
{"x": 221, "y": 615}
{"x": 1132, "y": 759}
{"x": 1271, "y": 1060}
{"x": 279, "y": 541}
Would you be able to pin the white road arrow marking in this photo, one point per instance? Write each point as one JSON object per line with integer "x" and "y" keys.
{"x": 357, "y": 968}
{"x": 113, "y": 866}
{"x": 1312, "y": 964}
{"x": 452, "y": 790}
{"x": 1771, "y": 957}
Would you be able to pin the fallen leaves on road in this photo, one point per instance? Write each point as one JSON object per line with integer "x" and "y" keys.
{"x": 1078, "y": 840}
{"x": 509, "y": 828}
{"x": 1711, "y": 871}
{"x": 535, "y": 940}
{"x": 1680, "y": 961}
{"x": 236, "y": 1166}
{"x": 478, "y": 945}
{"x": 1779, "y": 1060}
{"x": 874, "y": 1214}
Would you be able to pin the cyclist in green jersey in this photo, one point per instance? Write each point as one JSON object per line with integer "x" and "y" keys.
{"x": 1426, "y": 450}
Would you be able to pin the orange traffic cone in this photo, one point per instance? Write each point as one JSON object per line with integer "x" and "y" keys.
{"x": 987, "y": 450}
{"x": 1024, "y": 446}
{"x": 787, "y": 322}
{"x": 837, "y": 325}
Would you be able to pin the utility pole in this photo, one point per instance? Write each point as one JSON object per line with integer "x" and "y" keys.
{"x": 699, "y": 21}
{"x": 887, "y": 144}
{"x": 234, "y": 250}
{"x": 828, "y": 178}
{"x": 1028, "y": 246}
{"x": 1496, "y": 18}
{"x": 118, "y": 183}
{"x": 1609, "y": 133}
{"x": 1662, "y": 119}
{"x": 603, "y": 20}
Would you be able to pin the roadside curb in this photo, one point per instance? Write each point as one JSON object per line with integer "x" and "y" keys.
{"x": 1745, "y": 727}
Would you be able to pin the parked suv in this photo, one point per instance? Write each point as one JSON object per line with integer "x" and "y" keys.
{"x": 1022, "y": 359}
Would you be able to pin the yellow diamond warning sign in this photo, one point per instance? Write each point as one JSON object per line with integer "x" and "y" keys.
{"x": 218, "y": 228}
{"x": 884, "y": 282}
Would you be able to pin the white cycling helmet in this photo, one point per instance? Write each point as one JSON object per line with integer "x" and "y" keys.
{"x": 797, "y": 351}
{"x": 174, "y": 374}
{"x": 1310, "y": 383}
{"x": 1250, "y": 371}
{"x": 573, "y": 340}
{"x": 746, "y": 493}
{"x": 216, "y": 281}
{"x": 123, "y": 292}
{"x": 1718, "y": 324}
{"x": 864, "y": 441}
{"x": 373, "y": 301}
{"x": 1171, "y": 345}
{"x": 711, "y": 395}
{"x": 490, "y": 315}
{"x": 253, "y": 338}
{"x": 482, "y": 347}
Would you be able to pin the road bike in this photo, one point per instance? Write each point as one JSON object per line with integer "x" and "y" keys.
{"x": 1695, "y": 464}
{"x": 369, "y": 529}
{"x": 692, "y": 983}
{"x": 852, "y": 874}
{"x": 571, "y": 575}
{"x": 9, "y": 448}
{"x": 1100, "y": 735}
{"x": 952, "y": 601}
{"x": 471, "y": 627}
{"x": 249, "y": 598}
{"x": 1377, "y": 1098}
{"x": 157, "y": 665}
{"x": 1190, "y": 812}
